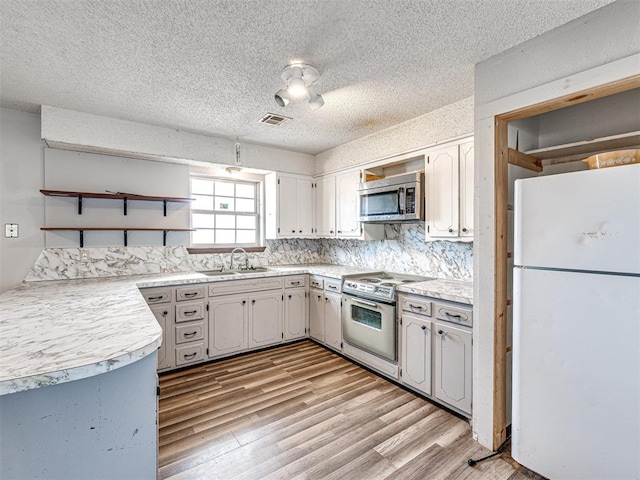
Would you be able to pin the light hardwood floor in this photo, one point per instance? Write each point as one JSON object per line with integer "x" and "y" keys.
{"x": 302, "y": 412}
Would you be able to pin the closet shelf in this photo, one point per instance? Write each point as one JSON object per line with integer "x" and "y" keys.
{"x": 115, "y": 196}
{"x": 125, "y": 231}
{"x": 588, "y": 147}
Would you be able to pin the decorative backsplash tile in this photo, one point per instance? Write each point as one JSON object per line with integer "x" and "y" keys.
{"x": 402, "y": 250}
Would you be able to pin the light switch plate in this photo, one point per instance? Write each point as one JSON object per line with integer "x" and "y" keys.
{"x": 11, "y": 230}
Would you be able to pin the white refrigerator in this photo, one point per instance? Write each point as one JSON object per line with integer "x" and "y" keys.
{"x": 576, "y": 330}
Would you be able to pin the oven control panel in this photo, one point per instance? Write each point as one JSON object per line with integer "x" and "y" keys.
{"x": 376, "y": 291}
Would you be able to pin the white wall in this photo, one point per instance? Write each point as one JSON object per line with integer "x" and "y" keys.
{"x": 92, "y": 133}
{"x": 448, "y": 122}
{"x": 21, "y": 178}
{"x": 552, "y": 65}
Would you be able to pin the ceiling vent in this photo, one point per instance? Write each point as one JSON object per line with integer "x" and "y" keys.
{"x": 274, "y": 119}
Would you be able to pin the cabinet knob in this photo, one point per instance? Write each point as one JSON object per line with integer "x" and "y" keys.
{"x": 451, "y": 230}
{"x": 300, "y": 231}
{"x": 339, "y": 231}
{"x": 289, "y": 296}
{"x": 424, "y": 327}
{"x": 293, "y": 231}
{"x": 465, "y": 230}
{"x": 319, "y": 297}
{"x": 440, "y": 332}
{"x": 253, "y": 302}
{"x": 330, "y": 231}
{"x": 165, "y": 313}
{"x": 244, "y": 302}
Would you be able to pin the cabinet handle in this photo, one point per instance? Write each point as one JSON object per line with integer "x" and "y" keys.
{"x": 417, "y": 307}
{"x": 190, "y": 334}
{"x": 189, "y": 356}
{"x": 190, "y": 313}
{"x": 451, "y": 230}
{"x": 190, "y": 294}
{"x": 424, "y": 327}
{"x": 332, "y": 287}
{"x": 295, "y": 283}
{"x": 153, "y": 299}
{"x": 452, "y": 316}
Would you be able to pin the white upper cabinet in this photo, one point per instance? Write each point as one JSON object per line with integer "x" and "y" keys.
{"x": 325, "y": 211}
{"x": 347, "y": 207}
{"x": 289, "y": 206}
{"x": 449, "y": 191}
{"x": 466, "y": 189}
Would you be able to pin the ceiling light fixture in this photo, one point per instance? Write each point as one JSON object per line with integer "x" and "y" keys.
{"x": 299, "y": 78}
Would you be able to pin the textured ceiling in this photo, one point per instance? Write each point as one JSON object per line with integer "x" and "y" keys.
{"x": 213, "y": 66}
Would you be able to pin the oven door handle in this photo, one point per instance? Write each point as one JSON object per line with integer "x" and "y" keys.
{"x": 364, "y": 302}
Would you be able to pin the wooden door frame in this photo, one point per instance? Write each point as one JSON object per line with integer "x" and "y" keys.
{"x": 503, "y": 155}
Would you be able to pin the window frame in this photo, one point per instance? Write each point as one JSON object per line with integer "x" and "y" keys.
{"x": 257, "y": 213}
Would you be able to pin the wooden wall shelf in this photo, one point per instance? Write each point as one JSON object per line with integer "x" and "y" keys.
{"x": 588, "y": 147}
{"x": 114, "y": 196}
{"x": 125, "y": 231}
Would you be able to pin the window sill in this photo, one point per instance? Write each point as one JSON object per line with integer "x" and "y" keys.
{"x": 196, "y": 250}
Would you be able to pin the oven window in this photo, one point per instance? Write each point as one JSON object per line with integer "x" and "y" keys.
{"x": 366, "y": 317}
{"x": 380, "y": 204}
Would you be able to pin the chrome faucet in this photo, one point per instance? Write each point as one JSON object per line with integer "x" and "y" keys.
{"x": 246, "y": 257}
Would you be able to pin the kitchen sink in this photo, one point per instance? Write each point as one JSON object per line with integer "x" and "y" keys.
{"x": 235, "y": 271}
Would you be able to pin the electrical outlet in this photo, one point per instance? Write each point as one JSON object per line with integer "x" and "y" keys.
{"x": 85, "y": 255}
{"x": 11, "y": 230}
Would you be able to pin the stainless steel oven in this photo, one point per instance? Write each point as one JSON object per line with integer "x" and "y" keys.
{"x": 370, "y": 325}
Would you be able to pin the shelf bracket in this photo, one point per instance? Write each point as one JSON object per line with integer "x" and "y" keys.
{"x": 79, "y": 204}
{"x": 81, "y": 238}
{"x": 164, "y": 204}
{"x": 126, "y": 240}
{"x": 164, "y": 238}
{"x": 125, "y": 208}
{"x": 525, "y": 161}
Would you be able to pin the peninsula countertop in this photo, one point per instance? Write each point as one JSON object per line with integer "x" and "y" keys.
{"x": 58, "y": 331}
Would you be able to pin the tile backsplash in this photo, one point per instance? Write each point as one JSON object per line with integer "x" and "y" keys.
{"x": 402, "y": 250}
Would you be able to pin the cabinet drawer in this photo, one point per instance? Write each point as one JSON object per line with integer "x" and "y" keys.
{"x": 189, "y": 332}
{"x": 418, "y": 306}
{"x": 189, "y": 293}
{"x": 295, "y": 282}
{"x": 454, "y": 314}
{"x": 244, "y": 286}
{"x": 316, "y": 282}
{"x": 190, "y": 354}
{"x": 189, "y": 311}
{"x": 157, "y": 296}
{"x": 332, "y": 286}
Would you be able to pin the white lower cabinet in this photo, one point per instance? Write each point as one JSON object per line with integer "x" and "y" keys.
{"x": 436, "y": 355}
{"x": 228, "y": 325}
{"x": 165, "y": 316}
{"x": 296, "y": 308}
{"x": 416, "y": 352}
{"x": 265, "y": 319}
{"x": 453, "y": 365}
{"x": 325, "y": 312}
{"x": 332, "y": 320}
{"x": 316, "y": 314}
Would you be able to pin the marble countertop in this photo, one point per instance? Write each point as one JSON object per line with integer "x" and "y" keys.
{"x": 58, "y": 331}
{"x": 453, "y": 290}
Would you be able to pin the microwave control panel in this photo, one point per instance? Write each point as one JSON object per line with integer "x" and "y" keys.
{"x": 410, "y": 201}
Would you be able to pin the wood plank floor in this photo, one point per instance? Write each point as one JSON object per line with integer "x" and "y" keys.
{"x": 302, "y": 412}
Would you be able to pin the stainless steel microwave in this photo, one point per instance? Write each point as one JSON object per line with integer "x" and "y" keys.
{"x": 399, "y": 198}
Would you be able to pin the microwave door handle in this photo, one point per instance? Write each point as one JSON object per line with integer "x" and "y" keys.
{"x": 401, "y": 200}
{"x": 364, "y": 302}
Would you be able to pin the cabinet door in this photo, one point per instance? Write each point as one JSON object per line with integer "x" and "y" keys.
{"x": 316, "y": 315}
{"x": 332, "y": 320}
{"x": 228, "y": 322}
{"x": 416, "y": 353}
{"x": 295, "y": 313}
{"x": 326, "y": 206}
{"x": 164, "y": 315}
{"x": 453, "y": 366}
{"x": 442, "y": 192}
{"x": 347, "y": 204}
{"x": 466, "y": 189}
{"x": 304, "y": 203}
{"x": 265, "y": 319}
{"x": 287, "y": 206}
